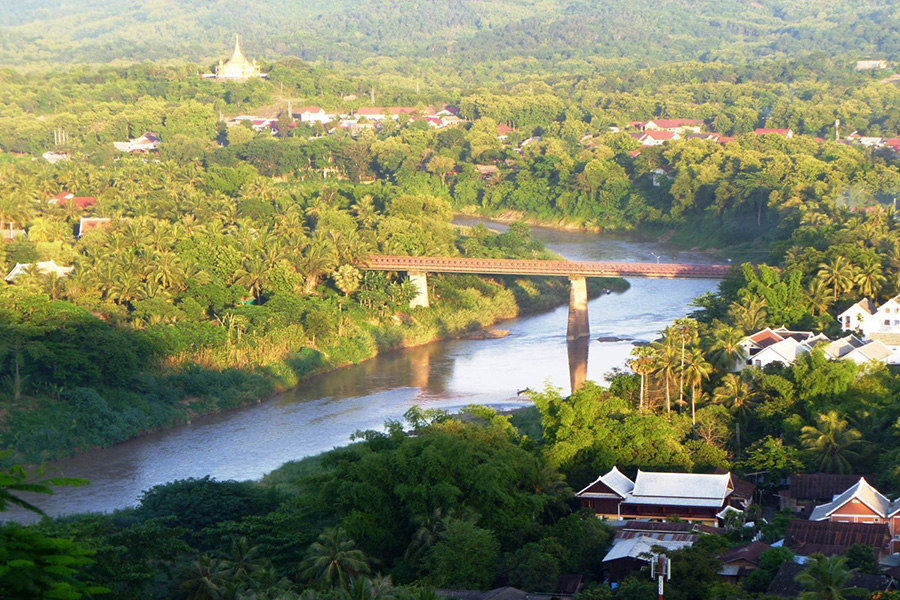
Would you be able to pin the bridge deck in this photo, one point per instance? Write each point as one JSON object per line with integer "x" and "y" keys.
{"x": 554, "y": 268}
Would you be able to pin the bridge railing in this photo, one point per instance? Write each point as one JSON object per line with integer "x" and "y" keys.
{"x": 557, "y": 268}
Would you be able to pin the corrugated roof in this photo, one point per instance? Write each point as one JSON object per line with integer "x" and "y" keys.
{"x": 681, "y": 485}
{"x": 819, "y": 486}
{"x": 785, "y": 582}
{"x": 861, "y": 491}
{"x": 830, "y": 538}
{"x": 749, "y": 552}
{"x": 638, "y": 546}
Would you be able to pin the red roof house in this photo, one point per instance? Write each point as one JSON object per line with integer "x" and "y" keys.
{"x": 788, "y": 133}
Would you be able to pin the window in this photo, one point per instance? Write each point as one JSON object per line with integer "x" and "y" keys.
{"x": 887, "y": 321}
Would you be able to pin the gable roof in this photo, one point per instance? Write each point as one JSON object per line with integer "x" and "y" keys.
{"x": 864, "y": 306}
{"x": 832, "y": 537}
{"x": 875, "y": 350}
{"x": 653, "y": 134}
{"x": 786, "y": 350}
{"x": 818, "y": 486}
{"x": 765, "y": 338}
{"x": 693, "y": 489}
{"x": 614, "y": 480}
{"x": 843, "y": 346}
{"x": 45, "y": 268}
{"x": 886, "y": 338}
{"x": 749, "y": 552}
{"x": 310, "y": 109}
{"x": 861, "y": 491}
{"x": 672, "y": 123}
{"x": 766, "y": 130}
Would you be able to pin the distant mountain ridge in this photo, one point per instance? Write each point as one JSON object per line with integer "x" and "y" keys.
{"x": 459, "y": 31}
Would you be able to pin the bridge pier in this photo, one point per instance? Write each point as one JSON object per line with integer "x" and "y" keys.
{"x": 578, "y": 311}
{"x": 420, "y": 280}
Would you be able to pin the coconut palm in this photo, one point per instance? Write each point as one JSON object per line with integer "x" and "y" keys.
{"x": 737, "y": 396}
{"x": 665, "y": 364}
{"x": 726, "y": 348}
{"x": 12, "y": 211}
{"x": 819, "y": 297}
{"x": 642, "y": 364}
{"x": 827, "y": 578}
{"x": 209, "y": 577}
{"x": 870, "y": 277}
{"x": 334, "y": 559}
{"x": 838, "y": 274}
{"x": 696, "y": 371}
{"x": 749, "y": 314}
{"x": 832, "y": 442}
{"x": 685, "y": 332}
{"x": 243, "y": 561}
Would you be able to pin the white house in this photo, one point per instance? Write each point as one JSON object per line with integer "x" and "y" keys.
{"x": 865, "y": 318}
{"x": 314, "y": 114}
{"x": 853, "y": 318}
{"x": 45, "y": 268}
{"x": 876, "y": 351}
{"x": 145, "y": 143}
{"x": 657, "y": 138}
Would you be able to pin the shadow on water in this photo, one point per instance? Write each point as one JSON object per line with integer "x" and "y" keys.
{"x": 324, "y": 411}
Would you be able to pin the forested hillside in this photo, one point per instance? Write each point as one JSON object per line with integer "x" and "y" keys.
{"x": 444, "y": 32}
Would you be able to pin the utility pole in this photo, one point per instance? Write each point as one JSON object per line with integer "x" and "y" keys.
{"x": 372, "y": 95}
{"x": 837, "y": 130}
{"x": 661, "y": 568}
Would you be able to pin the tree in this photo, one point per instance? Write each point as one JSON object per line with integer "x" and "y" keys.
{"x": 736, "y": 395}
{"x": 827, "y": 578}
{"x": 831, "y": 442}
{"x": 685, "y": 331}
{"x": 839, "y": 274}
{"x": 209, "y": 578}
{"x": 334, "y": 559}
{"x": 726, "y": 347}
{"x": 465, "y": 557}
{"x": 642, "y": 364}
{"x": 347, "y": 279}
{"x": 697, "y": 371}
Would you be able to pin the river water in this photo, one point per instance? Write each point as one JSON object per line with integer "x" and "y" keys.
{"x": 323, "y": 412}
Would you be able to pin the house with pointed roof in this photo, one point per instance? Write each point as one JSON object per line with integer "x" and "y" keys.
{"x": 657, "y": 137}
{"x": 237, "y": 67}
{"x": 63, "y": 198}
{"x": 741, "y": 561}
{"x": 696, "y": 497}
{"x": 146, "y": 143}
{"x": 787, "y": 133}
{"x": 314, "y": 114}
{"x": 862, "y": 503}
{"x": 45, "y": 268}
{"x": 86, "y": 224}
{"x": 805, "y": 491}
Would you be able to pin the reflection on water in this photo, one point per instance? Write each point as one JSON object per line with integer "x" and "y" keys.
{"x": 578, "y": 361}
{"x": 324, "y": 411}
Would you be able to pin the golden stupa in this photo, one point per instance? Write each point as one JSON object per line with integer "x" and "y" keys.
{"x": 238, "y": 67}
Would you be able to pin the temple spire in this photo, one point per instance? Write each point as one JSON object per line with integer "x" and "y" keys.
{"x": 238, "y": 55}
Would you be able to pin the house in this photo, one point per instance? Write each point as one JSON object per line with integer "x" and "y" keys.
{"x": 785, "y": 584}
{"x": 862, "y": 503}
{"x": 892, "y": 143}
{"x": 870, "y": 141}
{"x": 713, "y": 137}
{"x": 839, "y": 348}
{"x": 237, "y": 67}
{"x": 741, "y": 561}
{"x": 680, "y": 126}
{"x": 871, "y": 65}
{"x": 45, "y": 268}
{"x": 873, "y": 350}
{"x": 805, "y": 491}
{"x": 833, "y": 537}
{"x": 10, "y": 233}
{"x": 373, "y": 113}
{"x": 657, "y": 138}
{"x": 56, "y": 157}
{"x": 314, "y": 114}
{"x": 853, "y": 318}
{"x": 63, "y": 199}
{"x": 146, "y": 143}
{"x": 788, "y": 133}
{"x": 503, "y": 131}
{"x": 632, "y": 554}
{"x": 693, "y": 497}
{"x": 487, "y": 171}
{"x": 88, "y": 223}
{"x": 661, "y": 174}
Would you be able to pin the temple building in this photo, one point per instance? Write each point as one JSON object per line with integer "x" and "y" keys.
{"x": 237, "y": 67}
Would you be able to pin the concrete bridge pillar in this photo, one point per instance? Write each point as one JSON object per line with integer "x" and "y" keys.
{"x": 578, "y": 312}
{"x": 420, "y": 280}
{"x": 578, "y": 361}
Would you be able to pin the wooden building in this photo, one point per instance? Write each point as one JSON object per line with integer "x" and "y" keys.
{"x": 656, "y": 496}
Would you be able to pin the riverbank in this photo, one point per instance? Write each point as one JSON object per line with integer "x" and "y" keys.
{"x": 108, "y": 416}
{"x": 700, "y": 240}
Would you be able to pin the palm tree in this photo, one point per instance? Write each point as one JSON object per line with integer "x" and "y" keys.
{"x": 819, "y": 297}
{"x": 210, "y": 575}
{"x": 12, "y": 211}
{"x": 697, "y": 371}
{"x": 838, "y": 274}
{"x": 870, "y": 277}
{"x": 243, "y": 561}
{"x": 685, "y": 331}
{"x": 827, "y": 578}
{"x": 832, "y": 442}
{"x": 665, "y": 363}
{"x": 737, "y": 396}
{"x": 726, "y": 347}
{"x": 334, "y": 559}
{"x": 642, "y": 364}
{"x": 750, "y": 314}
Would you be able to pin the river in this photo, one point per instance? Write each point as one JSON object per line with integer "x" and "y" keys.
{"x": 324, "y": 411}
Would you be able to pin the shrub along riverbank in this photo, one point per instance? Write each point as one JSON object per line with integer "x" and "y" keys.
{"x": 270, "y": 352}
